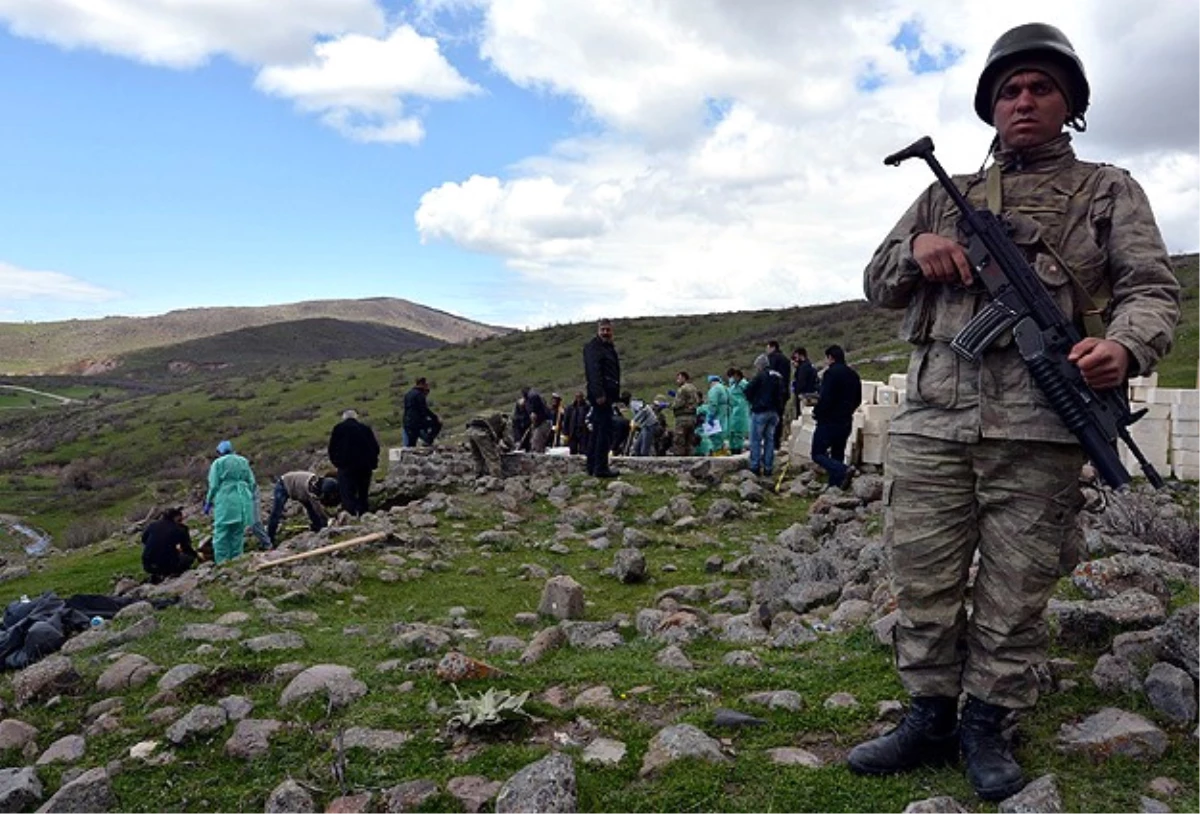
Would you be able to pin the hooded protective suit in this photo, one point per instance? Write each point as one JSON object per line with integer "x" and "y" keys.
{"x": 231, "y": 490}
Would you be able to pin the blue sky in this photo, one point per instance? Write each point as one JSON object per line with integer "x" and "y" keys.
{"x": 519, "y": 162}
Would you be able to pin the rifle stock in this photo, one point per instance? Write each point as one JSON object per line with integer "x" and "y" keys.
{"x": 1044, "y": 335}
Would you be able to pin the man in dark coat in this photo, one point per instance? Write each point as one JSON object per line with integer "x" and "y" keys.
{"x": 805, "y": 382}
{"x": 780, "y": 364}
{"x": 602, "y": 367}
{"x": 354, "y": 450}
{"x": 420, "y": 423}
{"x": 167, "y": 547}
{"x": 575, "y": 425}
{"x": 841, "y": 393}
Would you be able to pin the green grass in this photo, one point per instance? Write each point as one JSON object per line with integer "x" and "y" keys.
{"x": 355, "y": 629}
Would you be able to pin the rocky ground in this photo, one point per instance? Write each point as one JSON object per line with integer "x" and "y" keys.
{"x": 688, "y": 639}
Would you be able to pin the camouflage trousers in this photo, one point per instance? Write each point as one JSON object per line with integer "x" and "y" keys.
{"x": 1015, "y": 502}
{"x": 684, "y": 440}
{"x": 485, "y": 451}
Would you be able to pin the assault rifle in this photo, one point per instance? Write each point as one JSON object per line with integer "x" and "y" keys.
{"x": 1044, "y": 335}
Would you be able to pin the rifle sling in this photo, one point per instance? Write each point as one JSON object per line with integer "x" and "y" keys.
{"x": 1094, "y": 308}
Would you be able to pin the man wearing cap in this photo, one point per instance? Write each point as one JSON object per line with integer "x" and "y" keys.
{"x": 354, "y": 450}
{"x": 978, "y": 463}
{"x": 311, "y": 491}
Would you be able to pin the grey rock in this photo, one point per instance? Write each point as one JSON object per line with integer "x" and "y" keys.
{"x": 803, "y": 596}
{"x": 196, "y": 600}
{"x": 791, "y": 635}
{"x": 1152, "y": 806}
{"x": 137, "y": 610}
{"x": 199, "y": 720}
{"x": 1089, "y": 622}
{"x": 547, "y": 785}
{"x": 288, "y": 640}
{"x": 1138, "y": 647}
{"x": 290, "y": 796}
{"x": 126, "y": 673}
{"x": 850, "y": 613}
{"x": 673, "y": 658}
{"x": 331, "y": 680}
{"x": 935, "y": 805}
{"x": 732, "y": 719}
{"x": 1181, "y": 640}
{"x": 629, "y": 565}
{"x": 69, "y": 749}
{"x": 101, "y": 707}
{"x": 777, "y": 699}
{"x": 596, "y": 698}
{"x": 1114, "y": 674}
{"x": 16, "y": 734}
{"x": 1171, "y": 691}
{"x": 799, "y": 538}
{"x": 841, "y": 700}
{"x": 562, "y": 598}
{"x": 741, "y": 658}
{"x": 884, "y": 626}
{"x": 1163, "y": 786}
{"x": 91, "y": 791}
{"x": 179, "y": 675}
{"x": 505, "y": 644}
{"x": 543, "y": 642}
{"x": 677, "y": 742}
{"x": 794, "y": 756}
{"x": 581, "y": 634}
{"x": 50, "y": 676}
{"x": 373, "y": 740}
{"x": 233, "y": 618}
{"x": 604, "y": 751}
{"x": 1041, "y": 795}
{"x": 237, "y": 707}
{"x": 252, "y": 738}
{"x": 472, "y": 791}
{"x": 421, "y": 638}
{"x": 1113, "y": 731}
{"x": 19, "y": 789}
{"x": 209, "y": 633}
{"x": 409, "y": 796}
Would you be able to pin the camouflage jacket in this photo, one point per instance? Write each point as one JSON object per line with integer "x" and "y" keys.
{"x": 1098, "y": 220}
{"x": 687, "y": 399}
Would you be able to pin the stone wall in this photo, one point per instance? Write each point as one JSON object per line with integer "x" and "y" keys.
{"x": 435, "y": 463}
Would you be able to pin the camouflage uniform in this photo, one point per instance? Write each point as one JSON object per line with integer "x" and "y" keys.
{"x": 687, "y": 399}
{"x": 486, "y": 436}
{"x": 955, "y": 479}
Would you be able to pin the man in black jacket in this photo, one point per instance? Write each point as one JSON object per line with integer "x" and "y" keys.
{"x": 420, "y": 423}
{"x": 354, "y": 450}
{"x": 167, "y": 546}
{"x": 841, "y": 393}
{"x": 603, "y": 370}
{"x": 805, "y": 382}
{"x": 780, "y": 364}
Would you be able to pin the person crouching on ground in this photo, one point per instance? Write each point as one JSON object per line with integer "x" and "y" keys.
{"x": 314, "y": 493}
{"x": 167, "y": 546}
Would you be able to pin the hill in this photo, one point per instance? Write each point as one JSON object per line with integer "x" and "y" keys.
{"x": 304, "y": 341}
{"x": 92, "y": 345}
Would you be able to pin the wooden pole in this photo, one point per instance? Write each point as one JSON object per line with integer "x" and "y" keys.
{"x": 304, "y": 555}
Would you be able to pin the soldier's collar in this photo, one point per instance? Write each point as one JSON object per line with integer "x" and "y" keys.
{"x": 1052, "y": 152}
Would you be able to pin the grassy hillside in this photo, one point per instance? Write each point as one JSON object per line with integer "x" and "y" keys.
{"x": 79, "y": 345}
{"x": 81, "y": 467}
{"x": 302, "y": 342}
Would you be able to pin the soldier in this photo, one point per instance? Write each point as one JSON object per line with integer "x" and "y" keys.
{"x": 977, "y": 460}
{"x": 487, "y": 436}
{"x": 687, "y": 399}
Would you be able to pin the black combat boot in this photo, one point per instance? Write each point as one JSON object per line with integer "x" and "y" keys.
{"x": 928, "y": 735}
{"x": 990, "y": 765}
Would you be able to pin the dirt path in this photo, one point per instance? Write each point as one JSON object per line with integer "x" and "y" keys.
{"x": 59, "y": 399}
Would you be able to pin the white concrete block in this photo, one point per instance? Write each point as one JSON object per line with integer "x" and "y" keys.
{"x": 901, "y": 396}
{"x": 1185, "y": 412}
{"x": 876, "y": 426}
{"x": 1185, "y": 443}
{"x": 1156, "y": 457}
{"x": 898, "y": 381}
{"x": 1144, "y": 381}
{"x": 1161, "y": 412}
{"x": 885, "y": 395}
{"x": 868, "y": 391}
{"x": 880, "y": 412}
{"x": 1181, "y": 427}
{"x": 1174, "y": 395}
{"x": 1139, "y": 394}
{"x": 874, "y": 445}
{"x": 1183, "y": 471}
{"x": 801, "y": 443}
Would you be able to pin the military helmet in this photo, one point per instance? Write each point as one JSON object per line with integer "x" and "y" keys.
{"x": 1032, "y": 41}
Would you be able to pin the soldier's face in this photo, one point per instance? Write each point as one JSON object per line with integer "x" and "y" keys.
{"x": 1030, "y": 110}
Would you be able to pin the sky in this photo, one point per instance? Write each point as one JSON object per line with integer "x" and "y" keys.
{"x": 522, "y": 162}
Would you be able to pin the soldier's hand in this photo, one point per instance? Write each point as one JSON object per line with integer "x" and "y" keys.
{"x": 941, "y": 259}
{"x": 1103, "y": 362}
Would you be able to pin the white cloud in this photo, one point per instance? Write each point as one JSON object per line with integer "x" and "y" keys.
{"x": 356, "y": 82}
{"x": 738, "y": 160}
{"x": 25, "y": 284}
{"x": 339, "y": 59}
{"x": 187, "y": 33}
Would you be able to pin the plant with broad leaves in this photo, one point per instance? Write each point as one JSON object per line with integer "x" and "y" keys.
{"x": 491, "y": 708}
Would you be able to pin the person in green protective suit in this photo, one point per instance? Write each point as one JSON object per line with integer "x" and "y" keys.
{"x": 230, "y": 500}
{"x": 704, "y": 445}
{"x": 718, "y": 411}
{"x": 739, "y": 411}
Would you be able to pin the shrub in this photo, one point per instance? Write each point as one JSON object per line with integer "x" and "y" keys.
{"x": 88, "y": 531}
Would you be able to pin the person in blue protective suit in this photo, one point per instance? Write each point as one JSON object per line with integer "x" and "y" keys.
{"x": 230, "y": 500}
{"x": 718, "y": 413}
{"x": 739, "y": 411}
